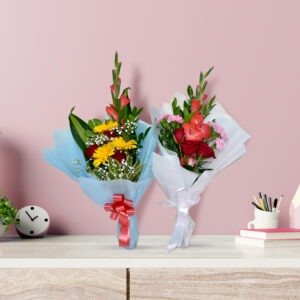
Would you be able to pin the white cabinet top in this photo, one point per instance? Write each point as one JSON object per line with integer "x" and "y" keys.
{"x": 100, "y": 251}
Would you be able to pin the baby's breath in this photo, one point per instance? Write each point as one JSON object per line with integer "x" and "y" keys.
{"x": 98, "y": 139}
{"x": 128, "y": 127}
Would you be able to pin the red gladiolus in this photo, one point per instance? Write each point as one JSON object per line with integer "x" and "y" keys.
{"x": 205, "y": 131}
{"x": 189, "y": 148}
{"x": 119, "y": 155}
{"x": 90, "y": 150}
{"x": 124, "y": 100}
{"x": 197, "y": 120}
{"x": 196, "y": 130}
{"x": 192, "y": 133}
{"x": 195, "y": 105}
{"x": 179, "y": 135}
{"x": 111, "y": 111}
{"x": 206, "y": 151}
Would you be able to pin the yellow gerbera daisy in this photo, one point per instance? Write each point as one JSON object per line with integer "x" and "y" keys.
{"x": 121, "y": 144}
{"x": 107, "y": 126}
{"x": 102, "y": 154}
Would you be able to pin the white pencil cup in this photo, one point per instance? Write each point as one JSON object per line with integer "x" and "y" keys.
{"x": 264, "y": 219}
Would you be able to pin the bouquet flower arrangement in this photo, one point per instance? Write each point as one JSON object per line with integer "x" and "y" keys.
{"x": 110, "y": 158}
{"x": 197, "y": 139}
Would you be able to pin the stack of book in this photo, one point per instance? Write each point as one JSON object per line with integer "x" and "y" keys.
{"x": 278, "y": 237}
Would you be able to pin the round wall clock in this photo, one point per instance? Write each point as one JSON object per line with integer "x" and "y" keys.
{"x": 32, "y": 221}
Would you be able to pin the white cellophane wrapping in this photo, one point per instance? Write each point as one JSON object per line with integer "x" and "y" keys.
{"x": 179, "y": 184}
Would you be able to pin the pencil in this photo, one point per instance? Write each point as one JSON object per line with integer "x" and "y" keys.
{"x": 258, "y": 207}
{"x": 279, "y": 202}
{"x": 256, "y": 200}
{"x": 266, "y": 202}
{"x": 270, "y": 204}
{"x": 275, "y": 203}
{"x": 262, "y": 204}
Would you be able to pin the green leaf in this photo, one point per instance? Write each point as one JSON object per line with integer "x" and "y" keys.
{"x": 89, "y": 133}
{"x": 116, "y": 59}
{"x": 78, "y": 129}
{"x": 125, "y": 91}
{"x": 133, "y": 114}
{"x": 207, "y": 107}
{"x": 147, "y": 131}
{"x": 118, "y": 70}
{"x": 114, "y": 76}
{"x": 211, "y": 101}
{"x": 142, "y": 136}
{"x": 174, "y": 105}
{"x": 176, "y": 108}
{"x": 186, "y": 105}
{"x": 186, "y": 114}
{"x": 94, "y": 122}
{"x": 208, "y": 72}
{"x": 198, "y": 92}
{"x": 190, "y": 92}
{"x": 203, "y": 87}
{"x": 201, "y": 78}
{"x": 117, "y": 104}
{"x": 7, "y": 212}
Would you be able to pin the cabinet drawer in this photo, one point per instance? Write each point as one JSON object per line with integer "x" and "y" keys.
{"x": 215, "y": 284}
{"x": 56, "y": 284}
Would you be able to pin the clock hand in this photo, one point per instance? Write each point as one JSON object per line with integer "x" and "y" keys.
{"x": 29, "y": 215}
{"x": 35, "y": 218}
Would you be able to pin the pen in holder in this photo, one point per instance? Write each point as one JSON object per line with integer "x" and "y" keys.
{"x": 266, "y": 213}
{"x": 264, "y": 219}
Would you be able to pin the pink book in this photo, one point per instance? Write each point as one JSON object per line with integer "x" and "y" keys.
{"x": 272, "y": 234}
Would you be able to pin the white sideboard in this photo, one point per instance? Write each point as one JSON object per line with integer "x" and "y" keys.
{"x": 94, "y": 267}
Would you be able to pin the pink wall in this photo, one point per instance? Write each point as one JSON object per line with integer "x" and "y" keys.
{"x": 57, "y": 54}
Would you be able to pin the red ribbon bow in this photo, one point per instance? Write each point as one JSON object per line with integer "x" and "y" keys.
{"x": 121, "y": 209}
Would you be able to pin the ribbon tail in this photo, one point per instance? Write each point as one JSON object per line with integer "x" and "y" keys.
{"x": 133, "y": 233}
{"x": 182, "y": 233}
{"x": 124, "y": 234}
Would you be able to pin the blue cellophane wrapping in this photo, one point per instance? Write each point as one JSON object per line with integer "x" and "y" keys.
{"x": 68, "y": 157}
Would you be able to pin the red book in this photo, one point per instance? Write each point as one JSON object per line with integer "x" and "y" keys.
{"x": 272, "y": 234}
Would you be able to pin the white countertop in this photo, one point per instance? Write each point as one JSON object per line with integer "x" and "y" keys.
{"x": 100, "y": 251}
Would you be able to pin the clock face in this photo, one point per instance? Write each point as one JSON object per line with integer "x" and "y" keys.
{"x": 32, "y": 221}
